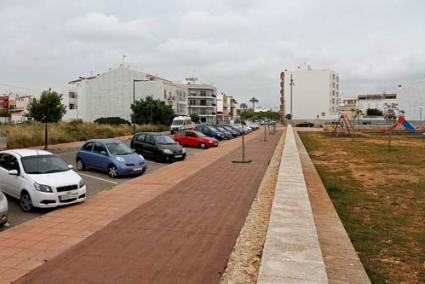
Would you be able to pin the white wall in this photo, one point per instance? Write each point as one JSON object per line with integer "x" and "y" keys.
{"x": 111, "y": 94}
{"x": 411, "y": 98}
{"x": 312, "y": 94}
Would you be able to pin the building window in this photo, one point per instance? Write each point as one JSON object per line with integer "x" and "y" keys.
{"x": 72, "y": 95}
{"x": 72, "y": 106}
{"x": 165, "y": 94}
{"x": 203, "y": 93}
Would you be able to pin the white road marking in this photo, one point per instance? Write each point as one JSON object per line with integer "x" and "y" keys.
{"x": 98, "y": 178}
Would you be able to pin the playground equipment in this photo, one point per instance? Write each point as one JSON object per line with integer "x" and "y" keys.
{"x": 343, "y": 126}
{"x": 406, "y": 124}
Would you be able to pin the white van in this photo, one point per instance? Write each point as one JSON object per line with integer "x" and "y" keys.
{"x": 181, "y": 123}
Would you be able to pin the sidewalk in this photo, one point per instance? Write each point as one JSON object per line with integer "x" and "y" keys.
{"x": 181, "y": 223}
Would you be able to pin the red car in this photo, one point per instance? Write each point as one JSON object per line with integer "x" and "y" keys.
{"x": 194, "y": 139}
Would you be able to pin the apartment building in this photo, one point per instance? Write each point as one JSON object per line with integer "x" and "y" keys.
{"x": 202, "y": 100}
{"x": 111, "y": 94}
{"x": 282, "y": 98}
{"x": 411, "y": 100}
{"x": 315, "y": 93}
{"x": 222, "y": 109}
{"x": 15, "y": 105}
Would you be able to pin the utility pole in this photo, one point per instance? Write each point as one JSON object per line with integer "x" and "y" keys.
{"x": 291, "y": 84}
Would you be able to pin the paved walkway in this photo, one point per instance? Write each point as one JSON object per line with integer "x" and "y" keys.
{"x": 176, "y": 225}
{"x": 342, "y": 262}
{"x": 292, "y": 251}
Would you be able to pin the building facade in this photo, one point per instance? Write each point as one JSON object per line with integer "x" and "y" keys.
{"x": 222, "y": 109}
{"x": 15, "y": 106}
{"x": 378, "y": 101}
{"x": 411, "y": 100}
{"x": 111, "y": 94}
{"x": 315, "y": 93}
{"x": 202, "y": 100}
{"x": 282, "y": 98}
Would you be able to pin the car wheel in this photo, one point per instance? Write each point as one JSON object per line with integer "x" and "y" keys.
{"x": 80, "y": 165}
{"x": 203, "y": 145}
{"x": 25, "y": 202}
{"x": 112, "y": 171}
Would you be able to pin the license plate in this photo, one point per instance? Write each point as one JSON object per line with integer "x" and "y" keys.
{"x": 178, "y": 156}
{"x": 68, "y": 196}
{"x": 137, "y": 169}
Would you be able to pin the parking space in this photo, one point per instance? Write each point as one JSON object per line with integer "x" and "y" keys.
{"x": 95, "y": 181}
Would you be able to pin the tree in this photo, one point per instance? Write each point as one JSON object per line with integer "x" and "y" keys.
{"x": 253, "y": 100}
{"x": 374, "y": 112}
{"x": 194, "y": 117}
{"x": 48, "y": 108}
{"x": 243, "y": 106}
{"x": 150, "y": 111}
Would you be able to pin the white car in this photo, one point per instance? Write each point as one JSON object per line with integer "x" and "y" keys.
{"x": 3, "y": 209}
{"x": 39, "y": 179}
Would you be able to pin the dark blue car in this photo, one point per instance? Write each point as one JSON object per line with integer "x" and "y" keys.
{"x": 111, "y": 156}
{"x": 210, "y": 131}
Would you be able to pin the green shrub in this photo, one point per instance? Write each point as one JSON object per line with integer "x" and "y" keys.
{"x": 114, "y": 120}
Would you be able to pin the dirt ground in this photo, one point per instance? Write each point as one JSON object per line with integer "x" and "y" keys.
{"x": 379, "y": 193}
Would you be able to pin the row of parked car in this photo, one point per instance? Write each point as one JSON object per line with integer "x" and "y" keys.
{"x": 41, "y": 179}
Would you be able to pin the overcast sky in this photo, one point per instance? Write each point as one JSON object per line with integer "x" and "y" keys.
{"x": 239, "y": 45}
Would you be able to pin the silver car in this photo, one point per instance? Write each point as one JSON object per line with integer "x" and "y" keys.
{"x": 3, "y": 209}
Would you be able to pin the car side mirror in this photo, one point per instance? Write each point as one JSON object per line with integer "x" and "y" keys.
{"x": 70, "y": 167}
{"x": 13, "y": 172}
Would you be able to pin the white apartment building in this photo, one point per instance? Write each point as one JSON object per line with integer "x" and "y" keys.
{"x": 378, "y": 101}
{"x": 202, "y": 100}
{"x": 111, "y": 94}
{"x": 411, "y": 100}
{"x": 314, "y": 93}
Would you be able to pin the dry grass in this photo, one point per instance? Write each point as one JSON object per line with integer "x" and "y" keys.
{"x": 29, "y": 135}
{"x": 379, "y": 193}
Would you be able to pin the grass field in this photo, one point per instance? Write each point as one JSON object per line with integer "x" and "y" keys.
{"x": 28, "y": 135}
{"x": 379, "y": 193}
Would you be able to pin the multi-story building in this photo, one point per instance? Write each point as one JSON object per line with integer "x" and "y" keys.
{"x": 222, "y": 109}
{"x": 202, "y": 100}
{"x": 15, "y": 105}
{"x": 378, "y": 101}
{"x": 111, "y": 94}
{"x": 411, "y": 100}
{"x": 347, "y": 105}
{"x": 315, "y": 93}
{"x": 282, "y": 98}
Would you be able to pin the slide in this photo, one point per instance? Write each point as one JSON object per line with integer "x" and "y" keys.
{"x": 409, "y": 126}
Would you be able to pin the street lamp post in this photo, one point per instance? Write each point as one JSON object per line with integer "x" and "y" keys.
{"x": 134, "y": 100}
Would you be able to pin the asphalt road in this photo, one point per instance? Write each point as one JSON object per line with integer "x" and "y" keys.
{"x": 95, "y": 181}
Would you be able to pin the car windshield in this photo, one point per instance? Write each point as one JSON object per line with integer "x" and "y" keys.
{"x": 221, "y": 128}
{"x": 212, "y": 128}
{"x": 177, "y": 122}
{"x": 118, "y": 149}
{"x": 43, "y": 164}
{"x": 200, "y": 134}
{"x": 164, "y": 140}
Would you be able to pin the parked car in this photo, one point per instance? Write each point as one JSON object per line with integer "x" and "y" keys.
{"x": 110, "y": 156}
{"x": 194, "y": 139}
{"x": 181, "y": 123}
{"x": 39, "y": 179}
{"x": 304, "y": 124}
{"x": 210, "y": 131}
{"x": 3, "y": 209}
{"x": 158, "y": 146}
{"x": 227, "y": 133}
{"x": 235, "y": 132}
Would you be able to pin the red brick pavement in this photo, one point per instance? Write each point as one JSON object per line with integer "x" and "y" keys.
{"x": 184, "y": 235}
